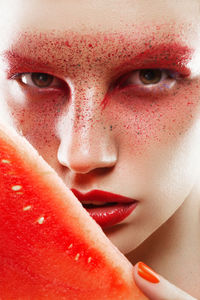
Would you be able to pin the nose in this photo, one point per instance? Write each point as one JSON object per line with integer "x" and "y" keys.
{"x": 86, "y": 141}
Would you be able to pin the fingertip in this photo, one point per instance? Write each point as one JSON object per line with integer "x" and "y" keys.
{"x": 155, "y": 286}
{"x": 147, "y": 273}
{"x": 146, "y": 279}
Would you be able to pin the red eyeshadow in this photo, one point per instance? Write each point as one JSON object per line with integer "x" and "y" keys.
{"x": 169, "y": 56}
{"x": 78, "y": 57}
{"x": 93, "y": 64}
{"x": 20, "y": 64}
{"x": 117, "y": 49}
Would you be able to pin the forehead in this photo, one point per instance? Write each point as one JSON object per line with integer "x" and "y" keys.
{"x": 52, "y": 31}
{"x": 94, "y": 15}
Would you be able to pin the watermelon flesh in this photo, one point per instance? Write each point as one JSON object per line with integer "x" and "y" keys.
{"x": 50, "y": 248}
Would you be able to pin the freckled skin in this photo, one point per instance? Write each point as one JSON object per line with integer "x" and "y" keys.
{"x": 138, "y": 142}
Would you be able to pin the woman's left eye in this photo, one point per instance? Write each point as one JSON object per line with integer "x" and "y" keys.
{"x": 39, "y": 80}
{"x": 150, "y": 76}
{"x": 148, "y": 79}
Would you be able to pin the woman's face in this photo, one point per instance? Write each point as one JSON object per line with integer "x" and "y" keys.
{"x": 122, "y": 111}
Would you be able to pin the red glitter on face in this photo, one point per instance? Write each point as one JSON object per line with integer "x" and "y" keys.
{"x": 168, "y": 56}
{"x": 91, "y": 74}
{"x": 67, "y": 44}
{"x": 109, "y": 56}
{"x": 21, "y": 64}
{"x": 173, "y": 56}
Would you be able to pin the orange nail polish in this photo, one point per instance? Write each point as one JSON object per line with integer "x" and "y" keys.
{"x": 147, "y": 273}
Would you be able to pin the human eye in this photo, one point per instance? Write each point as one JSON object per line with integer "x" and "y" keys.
{"x": 148, "y": 80}
{"x": 39, "y": 80}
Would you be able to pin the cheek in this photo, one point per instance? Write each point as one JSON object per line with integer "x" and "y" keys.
{"x": 36, "y": 115}
{"x": 146, "y": 121}
{"x": 159, "y": 143}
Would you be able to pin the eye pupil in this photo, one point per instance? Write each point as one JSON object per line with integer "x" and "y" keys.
{"x": 150, "y": 76}
{"x": 41, "y": 79}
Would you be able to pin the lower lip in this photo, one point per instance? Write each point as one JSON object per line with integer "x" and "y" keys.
{"x": 111, "y": 215}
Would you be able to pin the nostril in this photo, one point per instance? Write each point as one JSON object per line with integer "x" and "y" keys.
{"x": 87, "y": 150}
{"x": 82, "y": 163}
{"x": 79, "y": 168}
{"x": 83, "y": 166}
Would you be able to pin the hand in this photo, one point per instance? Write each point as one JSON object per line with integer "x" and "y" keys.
{"x": 155, "y": 287}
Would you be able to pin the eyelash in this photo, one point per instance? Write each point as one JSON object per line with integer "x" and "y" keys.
{"x": 168, "y": 78}
{"x": 56, "y": 83}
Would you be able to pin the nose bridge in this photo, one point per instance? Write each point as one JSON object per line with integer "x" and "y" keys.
{"x": 85, "y": 113}
{"x": 85, "y": 117}
{"x": 85, "y": 143}
{"x": 86, "y": 106}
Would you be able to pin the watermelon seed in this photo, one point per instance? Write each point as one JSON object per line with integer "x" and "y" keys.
{"x": 27, "y": 208}
{"x": 40, "y": 220}
{"x": 5, "y": 161}
{"x": 89, "y": 259}
{"x": 16, "y": 188}
{"x": 70, "y": 246}
{"x": 77, "y": 256}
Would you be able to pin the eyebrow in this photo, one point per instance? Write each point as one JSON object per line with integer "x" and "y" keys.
{"x": 170, "y": 55}
{"x": 173, "y": 56}
{"x": 21, "y": 64}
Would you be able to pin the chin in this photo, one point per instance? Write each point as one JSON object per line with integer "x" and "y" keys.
{"x": 122, "y": 238}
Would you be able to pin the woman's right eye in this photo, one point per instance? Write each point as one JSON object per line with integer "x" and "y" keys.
{"x": 39, "y": 80}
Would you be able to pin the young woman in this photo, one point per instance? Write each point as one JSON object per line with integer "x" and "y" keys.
{"x": 108, "y": 92}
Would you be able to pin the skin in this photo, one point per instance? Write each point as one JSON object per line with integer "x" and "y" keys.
{"x": 144, "y": 143}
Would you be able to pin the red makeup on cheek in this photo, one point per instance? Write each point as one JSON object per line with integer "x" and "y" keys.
{"x": 37, "y": 119}
{"x": 145, "y": 123}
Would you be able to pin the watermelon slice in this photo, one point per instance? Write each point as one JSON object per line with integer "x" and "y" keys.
{"x": 50, "y": 248}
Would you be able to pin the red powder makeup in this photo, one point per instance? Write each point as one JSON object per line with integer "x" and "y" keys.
{"x": 91, "y": 65}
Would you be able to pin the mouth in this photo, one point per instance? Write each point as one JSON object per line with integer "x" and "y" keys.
{"x": 107, "y": 209}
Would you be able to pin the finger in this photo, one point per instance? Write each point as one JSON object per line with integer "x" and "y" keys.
{"x": 155, "y": 287}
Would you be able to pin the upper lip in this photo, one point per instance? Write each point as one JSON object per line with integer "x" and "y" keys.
{"x": 101, "y": 196}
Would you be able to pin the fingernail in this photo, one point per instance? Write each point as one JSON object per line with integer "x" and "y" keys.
{"x": 147, "y": 273}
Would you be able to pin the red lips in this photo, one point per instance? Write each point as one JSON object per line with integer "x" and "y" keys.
{"x": 107, "y": 209}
